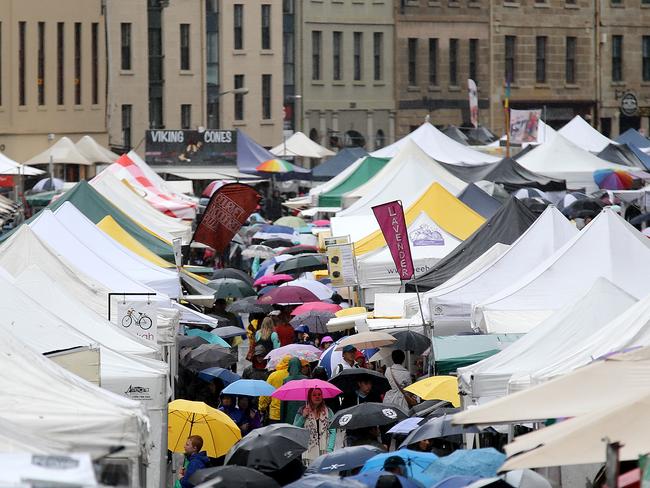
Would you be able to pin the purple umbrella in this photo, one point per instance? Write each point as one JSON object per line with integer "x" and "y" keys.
{"x": 287, "y": 294}
{"x": 301, "y": 351}
{"x": 316, "y": 320}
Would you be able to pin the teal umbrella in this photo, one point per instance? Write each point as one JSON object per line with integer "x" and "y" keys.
{"x": 231, "y": 288}
{"x": 211, "y": 338}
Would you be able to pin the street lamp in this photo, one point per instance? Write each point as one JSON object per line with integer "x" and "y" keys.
{"x": 215, "y": 101}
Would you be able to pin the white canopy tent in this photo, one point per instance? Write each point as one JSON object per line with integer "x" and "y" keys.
{"x": 62, "y": 151}
{"x": 13, "y": 439}
{"x": 583, "y": 135}
{"x": 555, "y": 344}
{"x": 438, "y": 146}
{"x": 301, "y": 146}
{"x": 561, "y": 158}
{"x": 608, "y": 247}
{"x": 95, "y": 152}
{"x": 10, "y": 167}
{"x": 155, "y": 178}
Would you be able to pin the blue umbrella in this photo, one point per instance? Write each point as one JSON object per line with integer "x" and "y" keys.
{"x": 277, "y": 229}
{"x": 457, "y": 481}
{"x": 331, "y": 358}
{"x": 345, "y": 459}
{"x": 483, "y": 463}
{"x": 223, "y": 374}
{"x": 416, "y": 463}
{"x": 370, "y": 479}
{"x": 252, "y": 388}
{"x": 325, "y": 481}
{"x": 211, "y": 338}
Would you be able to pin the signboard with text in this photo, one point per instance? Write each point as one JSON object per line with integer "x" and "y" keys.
{"x": 191, "y": 147}
{"x": 139, "y": 318}
{"x": 341, "y": 265}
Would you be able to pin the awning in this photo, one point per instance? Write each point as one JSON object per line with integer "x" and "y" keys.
{"x": 205, "y": 172}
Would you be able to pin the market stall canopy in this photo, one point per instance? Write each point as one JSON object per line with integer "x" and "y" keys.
{"x": 365, "y": 172}
{"x": 62, "y": 151}
{"x": 10, "y": 167}
{"x": 337, "y": 163}
{"x": 301, "y": 146}
{"x": 456, "y": 351}
{"x": 583, "y": 135}
{"x": 608, "y": 247}
{"x": 505, "y": 226}
{"x": 634, "y": 138}
{"x": 479, "y": 201}
{"x": 622, "y": 154}
{"x": 155, "y": 178}
{"x": 438, "y": 146}
{"x": 95, "y": 152}
{"x": 329, "y": 185}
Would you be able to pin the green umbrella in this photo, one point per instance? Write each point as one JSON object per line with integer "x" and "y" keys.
{"x": 295, "y": 222}
{"x": 231, "y": 288}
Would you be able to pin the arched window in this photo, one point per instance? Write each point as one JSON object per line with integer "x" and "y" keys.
{"x": 313, "y": 135}
{"x": 354, "y": 139}
{"x": 380, "y": 139}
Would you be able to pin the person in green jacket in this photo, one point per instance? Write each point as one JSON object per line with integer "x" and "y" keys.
{"x": 315, "y": 416}
{"x": 288, "y": 408}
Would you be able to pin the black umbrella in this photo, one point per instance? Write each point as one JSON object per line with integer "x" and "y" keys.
{"x": 205, "y": 356}
{"x": 345, "y": 459}
{"x": 184, "y": 341}
{"x": 368, "y": 414}
{"x": 231, "y": 288}
{"x": 302, "y": 263}
{"x": 232, "y": 477}
{"x": 236, "y": 274}
{"x": 592, "y": 205}
{"x": 435, "y": 428}
{"x": 249, "y": 305}
{"x": 325, "y": 481}
{"x": 316, "y": 320}
{"x": 269, "y": 448}
{"x": 409, "y": 340}
{"x": 536, "y": 205}
{"x": 275, "y": 243}
{"x": 639, "y": 219}
{"x": 347, "y": 380}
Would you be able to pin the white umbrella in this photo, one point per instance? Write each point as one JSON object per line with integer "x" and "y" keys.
{"x": 367, "y": 340}
{"x": 321, "y": 290}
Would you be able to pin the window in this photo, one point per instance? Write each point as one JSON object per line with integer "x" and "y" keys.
{"x": 377, "y": 55}
{"x": 77, "y": 63}
{"x": 316, "y": 46}
{"x": 617, "y": 58}
{"x": 94, "y": 57}
{"x": 337, "y": 40}
{"x": 570, "y": 60}
{"x": 380, "y": 139}
{"x": 126, "y": 126}
{"x": 41, "y": 63}
{"x": 616, "y": 2}
{"x": 238, "y": 21}
{"x": 412, "y": 61}
{"x": 22, "y": 27}
{"x": 185, "y": 46}
{"x": 126, "y": 46}
{"x": 511, "y": 46}
{"x": 266, "y": 27}
{"x": 358, "y": 62}
{"x": 540, "y": 59}
{"x": 266, "y": 97}
{"x": 239, "y": 98}
{"x": 645, "y": 50}
{"x": 453, "y": 62}
{"x": 60, "y": 63}
{"x": 473, "y": 58}
{"x": 433, "y": 62}
{"x": 186, "y": 116}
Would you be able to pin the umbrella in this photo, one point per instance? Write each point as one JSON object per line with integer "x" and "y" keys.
{"x": 321, "y": 223}
{"x": 231, "y": 288}
{"x": 269, "y": 448}
{"x": 228, "y": 331}
{"x": 406, "y": 426}
{"x": 287, "y": 294}
{"x": 317, "y": 306}
{"x": 569, "y": 199}
{"x": 188, "y": 342}
{"x": 456, "y": 482}
{"x": 258, "y": 251}
{"x": 266, "y": 289}
{"x": 275, "y": 166}
{"x": 302, "y": 263}
{"x": 587, "y": 204}
{"x": 299, "y": 249}
{"x": 316, "y": 320}
{"x": 232, "y": 477}
{"x": 277, "y": 229}
{"x": 368, "y": 414}
{"x": 613, "y": 179}
{"x": 322, "y": 291}
{"x": 235, "y": 274}
{"x": 272, "y": 279}
{"x": 347, "y": 379}
{"x": 47, "y": 184}
{"x": 210, "y": 338}
{"x": 331, "y": 358}
{"x": 416, "y": 462}
{"x": 437, "y": 388}
{"x": 276, "y": 242}
{"x": 325, "y": 481}
{"x": 298, "y": 389}
{"x": 374, "y": 478}
{"x": 304, "y": 352}
{"x": 409, "y": 340}
{"x": 528, "y": 192}
{"x": 290, "y": 221}
{"x": 435, "y": 428}
{"x": 483, "y": 463}
{"x": 536, "y": 205}
{"x": 367, "y": 340}
{"x": 186, "y": 418}
{"x": 206, "y": 356}
{"x": 248, "y": 305}
{"x": 252, "y": 388}
{"x": 268, "y": 266}
{"x": 345, "y": 459}
{"x": 225, "y": 375}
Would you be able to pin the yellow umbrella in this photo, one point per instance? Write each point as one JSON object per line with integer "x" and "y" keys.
{"x": 437, "y": 388}
{"x": 186, "y": 418}
{"x": 351, "y": 311}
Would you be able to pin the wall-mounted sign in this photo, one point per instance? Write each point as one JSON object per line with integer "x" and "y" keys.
{"x": 191, "y": 147}
{"x": 629, "y": 105}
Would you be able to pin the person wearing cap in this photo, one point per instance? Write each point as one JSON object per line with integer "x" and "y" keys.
{"x": 325, "y": 343}
{"x": 302, "y": 332}
{"x": 395, "y": 465}
{"x": 349, "y": 355}
{"x": 257, "y": 369}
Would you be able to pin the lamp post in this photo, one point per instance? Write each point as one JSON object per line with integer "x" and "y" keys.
{"x": 235, "y": 91}
{"x": 50, "y": 138}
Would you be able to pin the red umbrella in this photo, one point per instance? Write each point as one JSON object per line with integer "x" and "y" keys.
{"x": 273, "y": 279}
{"x": 287, "y": 294}
{"x": 321, "y": 223}
{"x": 321, "y": 306}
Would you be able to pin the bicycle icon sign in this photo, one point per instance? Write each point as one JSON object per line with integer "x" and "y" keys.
{"x": 142, "y": 320}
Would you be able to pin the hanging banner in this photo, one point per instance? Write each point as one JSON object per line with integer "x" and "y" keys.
{"x": 139, "y": 317}
{"x": 473, "y": 102}
{"x": 524, "y": 125}
{"x": 191, "y": 147}
{"x": 393, "y": 225}
{"x": 341, "y": 265}
{"x": 227, "y": 211}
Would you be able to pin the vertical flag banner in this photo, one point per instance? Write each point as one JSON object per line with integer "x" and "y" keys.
{"x": 393, "y": 225}
{"x": 473, "y": 102}
{"x": 524, "y": 125}
{"x": 227, "y": 211}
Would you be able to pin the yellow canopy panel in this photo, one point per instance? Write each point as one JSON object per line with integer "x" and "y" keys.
{"x": 452, "y": 215}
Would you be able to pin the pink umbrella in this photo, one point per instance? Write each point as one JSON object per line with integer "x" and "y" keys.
{"x": 321, "y": 290}
{"x": 298, "y": 389}
{"x": 304, "y": 352}
{"x": 272, "y": 280}
{"x": 287, "y": 295}
{"x": 322, "y": 306}
{"x": 321, "y": 223}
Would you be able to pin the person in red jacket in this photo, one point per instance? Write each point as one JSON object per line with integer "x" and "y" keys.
{"x": 286, "y": 332}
